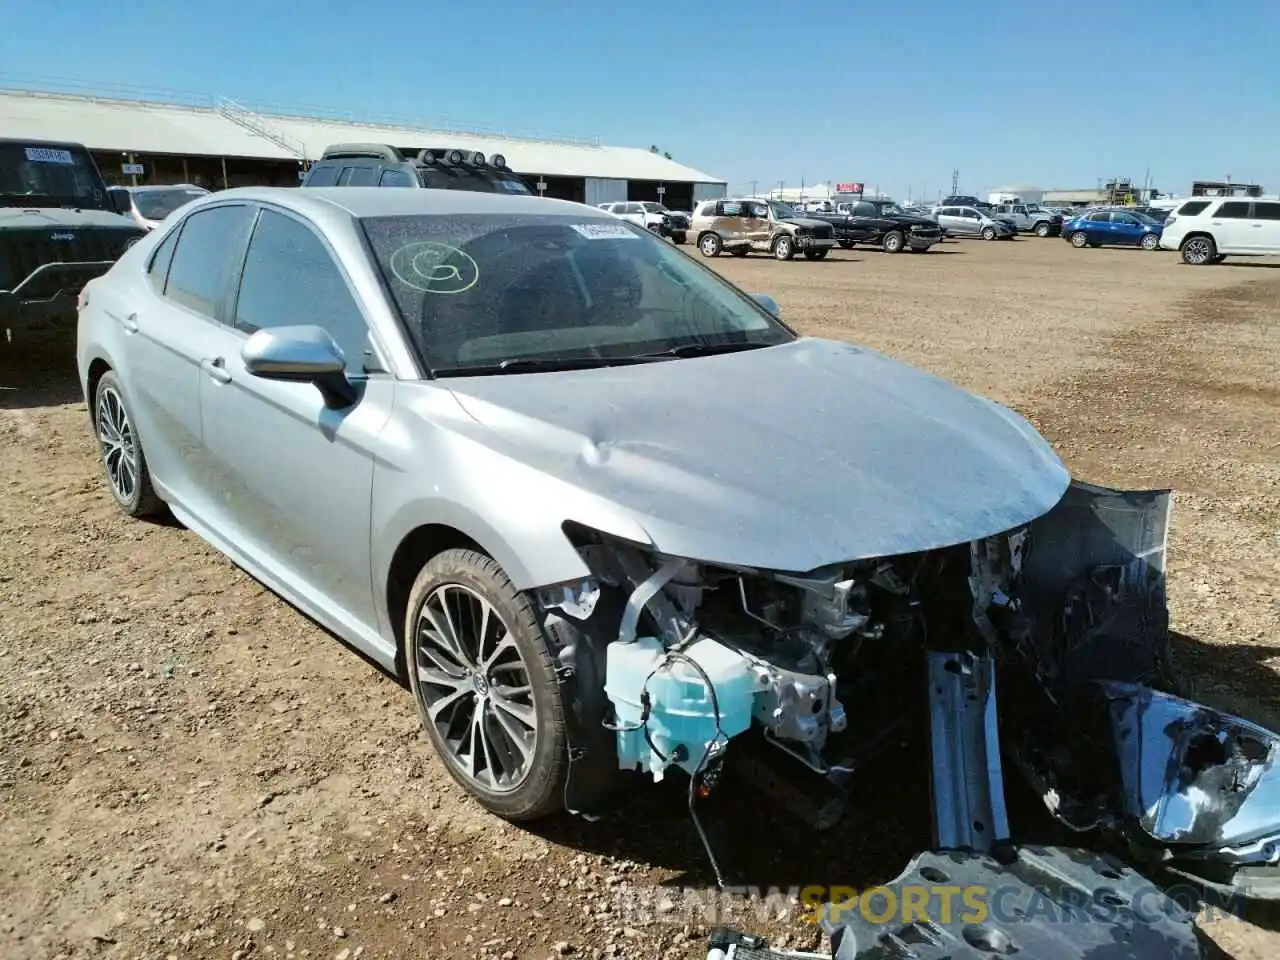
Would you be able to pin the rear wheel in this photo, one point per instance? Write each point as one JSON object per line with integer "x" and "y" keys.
{"x": 815, "y": 254}
{"x": 784, "y": 248}
{"x": 1199, "y": 250}
{"x": 892, "y": 242}
{"x": 709, "y": 245}
{"x": 128, "y": 477}
{"x": 485, "y": 684}
{"x": 1079, "y": 240}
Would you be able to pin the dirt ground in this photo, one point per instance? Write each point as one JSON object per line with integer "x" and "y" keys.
{"x": 189, "y": 768}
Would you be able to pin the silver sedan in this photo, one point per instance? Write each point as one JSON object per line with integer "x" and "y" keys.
{"x": 602, "y": 510}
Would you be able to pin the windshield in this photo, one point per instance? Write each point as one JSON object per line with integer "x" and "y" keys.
{"x": 441, "y": 177}
{"x": 782, "y": 211}
{"x": 651, "y": 207}
{"x": 158, "y": 204}
{"x": 49, "y": 176}
{"x": 479, "y": 290}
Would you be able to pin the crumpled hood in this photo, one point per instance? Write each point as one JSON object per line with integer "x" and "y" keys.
{"x": 36, "y": 218}
{"x": 788, "y": 457}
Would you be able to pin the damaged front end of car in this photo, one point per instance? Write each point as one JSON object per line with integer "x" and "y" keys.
{"x": 798, "y": 679}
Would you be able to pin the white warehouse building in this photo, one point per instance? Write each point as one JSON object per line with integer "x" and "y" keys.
{"x": 219, "y": 143}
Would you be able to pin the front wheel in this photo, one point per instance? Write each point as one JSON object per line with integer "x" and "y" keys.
{"x": 783, "y": 248}
{"x": 1150, "y": 241}
{"x": 1197, "y": 251}
{"x": 128, "y": 477}
{"x": 846, "y": 244}
{"x": 1042, "y": 229}
{"x": 710, "y": 245}
{"x": 678, "y": 238}
{"x": 988, "y": 233}
{"x": 815, "y": 254}
{"x": 485, "y": 684}
{"x": 892, "y": 242}
{"x": 1079, "y": 240}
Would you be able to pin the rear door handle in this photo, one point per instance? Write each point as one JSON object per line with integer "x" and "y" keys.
{"x": 216, "y": 369}
{"x": 130, "y": 323}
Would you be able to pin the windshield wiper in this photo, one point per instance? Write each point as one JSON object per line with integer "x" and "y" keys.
{"x": 530, "y": 365}
{"x": 704, "y": 349}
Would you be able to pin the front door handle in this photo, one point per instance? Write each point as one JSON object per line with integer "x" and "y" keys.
{"x": 130, "y": 323}
{"x": 216, "y": 369}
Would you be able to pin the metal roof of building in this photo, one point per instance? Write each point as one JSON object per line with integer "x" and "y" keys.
{"x": 230, "y": 130}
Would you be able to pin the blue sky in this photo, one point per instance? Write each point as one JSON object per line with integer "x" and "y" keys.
{"x": 893, "y": 94}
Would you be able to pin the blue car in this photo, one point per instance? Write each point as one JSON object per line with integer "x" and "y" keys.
{"x": 1125, "y": 228}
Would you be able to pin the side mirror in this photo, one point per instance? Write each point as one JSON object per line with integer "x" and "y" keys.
{"x": 121, "y": 201}
{"x": 768, "y": 303}
{"x": 301, "y": 354}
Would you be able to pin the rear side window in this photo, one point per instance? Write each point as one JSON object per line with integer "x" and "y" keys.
{"x": 729, "y": 208}
{"x": 209, "y": 249}
{"x": 1266, "y": 211}
{"x": 160, "y": 260}
{"x": 1193, "y": 207}
{"x": 322, "y": 175}
{"x": 1233, "y": 210}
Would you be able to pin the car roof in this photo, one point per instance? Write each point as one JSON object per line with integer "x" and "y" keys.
{"x": 361, "y": 202}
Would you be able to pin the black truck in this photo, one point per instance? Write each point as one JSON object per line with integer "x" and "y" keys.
{"x": 58, "y": 230}
{"x": 881, "y": 223}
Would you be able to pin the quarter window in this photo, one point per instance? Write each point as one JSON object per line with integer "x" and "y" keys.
{"x": 1234, "y": 210}
{"x": 211, "y": 244}
{"x": 290, "y": 279}
{"x": 158, "y": 272}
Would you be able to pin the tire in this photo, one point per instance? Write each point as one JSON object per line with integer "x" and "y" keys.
{"x": 1079, "y": 240}
{"x": 678, "y": 238}
{"x": 1042, "y": 229}
{"x": 456, "y": 689}
{"x": 709, "y": 245}
{"x": 892, "y": 242}
{"x": 815, "y": 254}
{"x": 120, "y": 449}
{"x": 784, "y": 247}
{"x": 846, "y": 244}
{"x": 1149, "y": 241}
{"x": 1199, "y": 250}
{"x": 988, "y": 233}
{"x": 740, "y": 251}
{"x": 654, "y": 228}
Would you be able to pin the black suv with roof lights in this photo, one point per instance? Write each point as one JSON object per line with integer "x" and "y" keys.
{"x": 58, "y": 230}
{"x": 433, "y": 168}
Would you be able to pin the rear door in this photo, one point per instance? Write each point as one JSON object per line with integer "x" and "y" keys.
{"x": 1233, "y": 226}
{"x": 168, "y": 332}
{"x": 755, "y": 223}
{"x": 294, "y": 475}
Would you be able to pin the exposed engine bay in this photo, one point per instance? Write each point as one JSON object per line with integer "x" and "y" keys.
{"x": 1067, "y": 614}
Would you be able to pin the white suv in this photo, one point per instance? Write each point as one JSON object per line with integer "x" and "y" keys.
{"x": 1207, "y": 229}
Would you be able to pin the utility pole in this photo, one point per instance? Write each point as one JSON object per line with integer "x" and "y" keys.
{"x": 955, "y": 181}
{"x": 753, "y": 187}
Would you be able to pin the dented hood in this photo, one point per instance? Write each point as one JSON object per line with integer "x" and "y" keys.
{"x": 788, "y": 457}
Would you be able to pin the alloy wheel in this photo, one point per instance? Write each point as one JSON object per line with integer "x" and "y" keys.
{"x": 1079, "y": 240}
{"x": 1150, "y": 241}
{"x": 476, "y": 688}
{"x": 119, "y": 447}
{"x": 1196, "y": 251}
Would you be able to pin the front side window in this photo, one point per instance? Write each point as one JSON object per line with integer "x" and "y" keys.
{"x": 290, "y": 279}
{"x": 207, "y": 252}
{"x": 782, "y": 211}
{"x": 1234, "y": 210}
{"x": 476, "y": 291}
{"x": 757, "y": 211}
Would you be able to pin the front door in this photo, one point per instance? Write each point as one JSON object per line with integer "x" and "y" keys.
{"x": 756, "y": 223}
{"x": 294, "y": 475}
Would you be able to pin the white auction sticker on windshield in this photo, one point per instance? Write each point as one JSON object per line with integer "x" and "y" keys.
{"x": 49, "y": 155}
{"x": 606, "y": 231}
